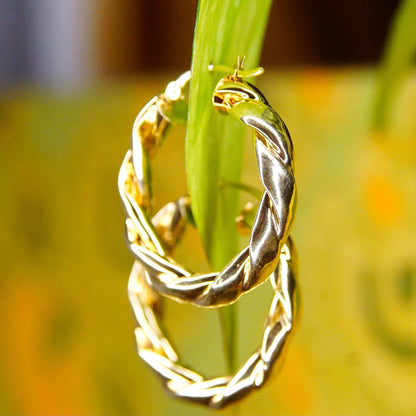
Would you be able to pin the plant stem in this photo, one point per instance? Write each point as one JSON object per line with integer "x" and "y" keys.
{"x": 244, "y": 187}
{"x": 398, "y": 57}
{"x": 214, "y": 143}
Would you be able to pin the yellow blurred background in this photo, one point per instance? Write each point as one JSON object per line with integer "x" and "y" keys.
{"x": 74, "y": 79}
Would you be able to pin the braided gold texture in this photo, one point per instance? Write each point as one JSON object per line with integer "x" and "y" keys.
{"x": 270, "y": 253}
{"x": 155, "y": 349}
{"x": 274, "y": 216}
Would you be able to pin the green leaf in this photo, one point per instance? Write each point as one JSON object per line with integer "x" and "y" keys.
{"x": 398, "y": 59}
{"x": 214, "y": 142}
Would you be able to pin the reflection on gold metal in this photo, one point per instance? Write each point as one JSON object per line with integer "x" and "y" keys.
{"x": 274, "y": 216}
{"x": 270, "y": 253}
{"x": 155, "y": 349}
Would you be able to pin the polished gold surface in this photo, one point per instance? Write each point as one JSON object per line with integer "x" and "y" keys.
{"x": 270, "y": 253}
{"x": 274, "y": 216}
{"x": 155, "y": 349}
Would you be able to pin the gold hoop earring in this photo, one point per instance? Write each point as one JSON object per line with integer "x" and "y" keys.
{"x": 155, "y": 349}
{"x": 276, "y": 210}
{"x": 271, "y": 252}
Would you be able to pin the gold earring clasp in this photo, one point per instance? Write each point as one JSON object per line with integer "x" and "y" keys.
{"x": 232, "y": 90}
{"x": 238, "y": 71}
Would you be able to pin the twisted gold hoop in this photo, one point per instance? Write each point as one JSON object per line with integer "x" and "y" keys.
{"x": 274, "y": 217}
{"x": 155, "y": 349}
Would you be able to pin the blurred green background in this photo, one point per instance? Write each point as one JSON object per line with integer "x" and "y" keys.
{"x": 66, "y": 339}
